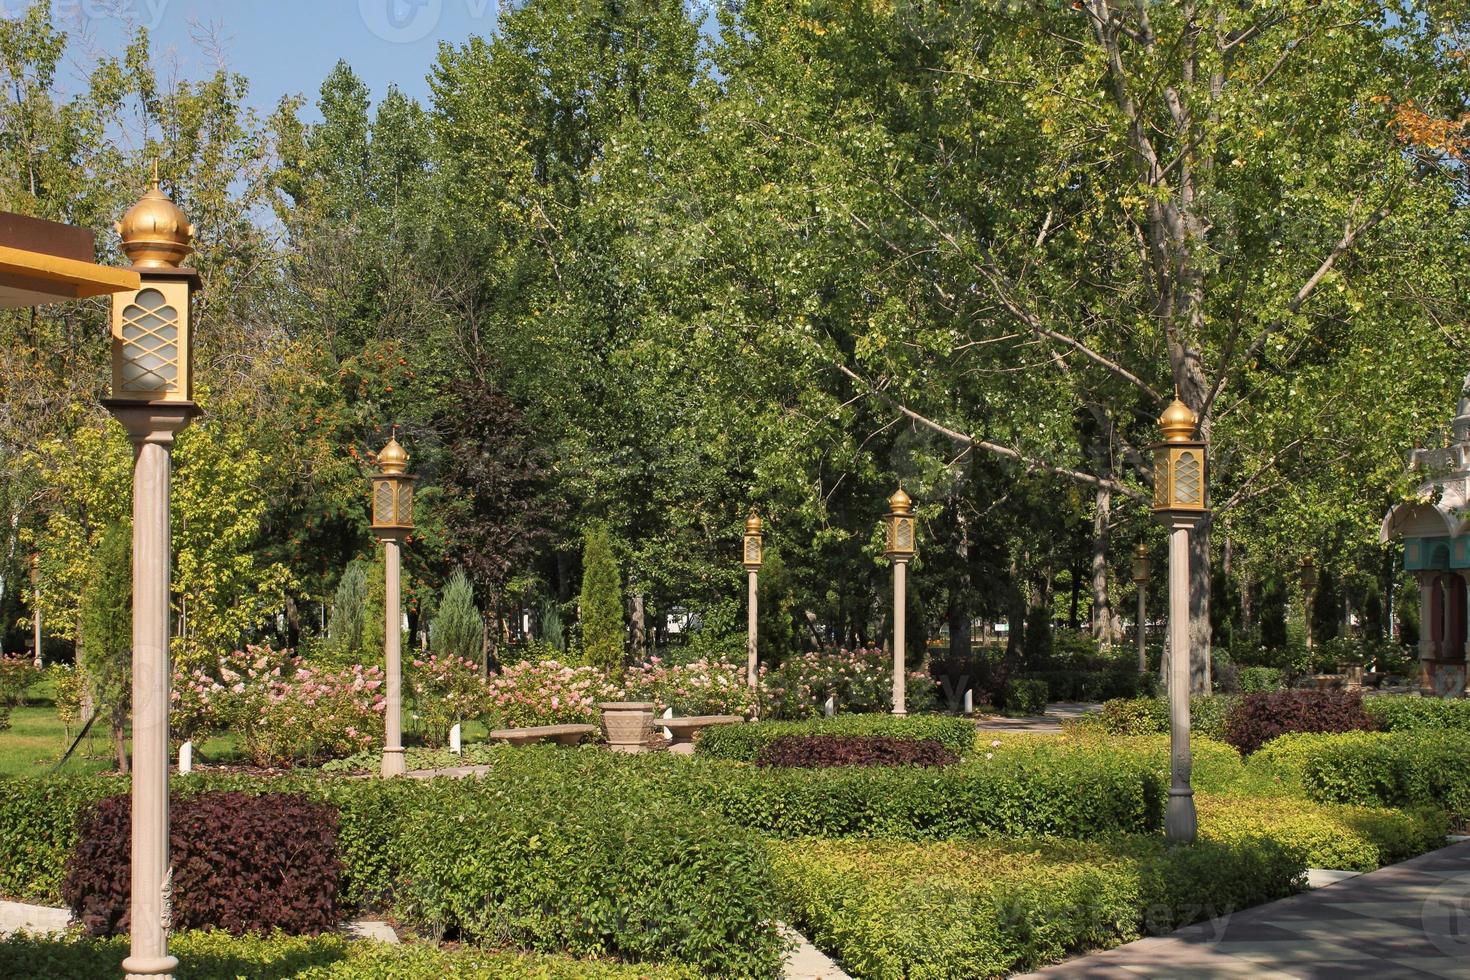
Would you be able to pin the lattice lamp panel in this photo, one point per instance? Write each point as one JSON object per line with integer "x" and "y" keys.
{"x": 150, "y": 343}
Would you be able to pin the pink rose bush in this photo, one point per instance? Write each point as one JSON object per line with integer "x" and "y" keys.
{"x": 546, "y": 692}
{"x": 284, "y": 710}
{"x": 856, "y": 680}
{"x": 703, "y": 687}
{"x": 445, "y": 691}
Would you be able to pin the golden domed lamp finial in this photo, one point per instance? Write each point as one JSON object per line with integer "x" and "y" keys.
{"x": 392, "y": 489}
{"x": 1179, "y": 462}
{"x": 900, "y": 543}
{"x": 754, "y": 552}
{"x": 152, "y": 330}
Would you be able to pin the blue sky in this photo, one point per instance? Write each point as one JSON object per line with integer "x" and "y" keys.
{"x": 283, "y": 47}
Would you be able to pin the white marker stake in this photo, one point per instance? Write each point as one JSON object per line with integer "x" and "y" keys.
{"x": 454, "y": 745}
{"x": 186, "y": 757}
{"x": 969, "y": 700}
{"x": 668, "y": 713}
{"x": 830, "y": 708}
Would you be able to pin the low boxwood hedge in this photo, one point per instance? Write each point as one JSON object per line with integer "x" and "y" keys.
{"x": 219, "y": 956}
{"x": 897, "y": 910}
{"x": 1404, "y": 769}
{"x": 1405, "y": 713}
{"x": 1078, "y": 792}
{"x": 743, "y": 743}
{"x": 1144, "y": 716}
{"x": 818, "y": 751}
{"x": 577, "y": 859}
{"x": 1346, "y": 838}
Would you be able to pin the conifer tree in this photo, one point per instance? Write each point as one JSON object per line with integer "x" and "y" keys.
{"x": 601, "y": 602}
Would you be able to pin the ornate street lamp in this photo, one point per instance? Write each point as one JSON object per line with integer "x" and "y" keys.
{"x": 1179, "y": 503}
{"x": 152, "y": 396}
{"x": 754, "y": 556}
{"x": 392, "y": 502}
{"x": 1141, "y": 569}
{"x": 900, "y": 548}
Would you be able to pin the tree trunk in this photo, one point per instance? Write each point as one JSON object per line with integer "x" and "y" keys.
{"x": 293, "y": 624}
{"x": 1074, "y": 615}
{"x": 1199, "y": 608}
{"x": 1104, "y": 628}
{"x": 119, "y": 742}
{"x": 640, "y": 638}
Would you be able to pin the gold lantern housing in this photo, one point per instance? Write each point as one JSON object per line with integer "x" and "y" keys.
{"x": 754, "y": 555}
{"x": 1141, "y": 565}
{"x": 152, "y": 333}
{"x": 1179, "y": 463}
{"x": 900, "y": 519}
{"x": 392, "y": 490}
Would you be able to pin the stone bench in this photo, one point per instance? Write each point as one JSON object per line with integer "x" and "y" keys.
{"x": 560, "y": 734}
{"x": 683, "y": 730}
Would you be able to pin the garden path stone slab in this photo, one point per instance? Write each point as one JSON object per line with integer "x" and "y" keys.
{"x": 806, "y": 962}
{"x": 1049, "y": 722}
{"x": 38, "y": 920}
{"x": 1405, "y": 920}
{"x": 375, "y": 929}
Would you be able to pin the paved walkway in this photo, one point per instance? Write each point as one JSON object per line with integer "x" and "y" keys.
{"x": 1051, "y": 721}
{"x": 1410, "y": 920}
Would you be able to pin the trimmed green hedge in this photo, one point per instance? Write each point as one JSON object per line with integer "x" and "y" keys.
{"x": 742, "y": 743}
{"x": 1145, "y": 716}
{"x": 895, "y": 910}
{"x": 1404, "y": 713}
{"x": 543, "y": 825}
{"x": 219, "y": 956}
{"x": 589, "y": 865}
{"x": 1405, "y": 769}
{"x": 1346, "y": 838}
{"x": 1075, "y": 793}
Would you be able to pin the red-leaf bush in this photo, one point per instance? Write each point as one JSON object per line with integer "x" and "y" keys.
{"x": 817, "y": 751}
{"x": 241, "y": 863}
{"x": 1257, "y": 718}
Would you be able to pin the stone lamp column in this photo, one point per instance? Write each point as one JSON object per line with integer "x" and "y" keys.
{"x": 1180, "y": 504}
{"x": 1141, "y": 569}
{"x": 754, "y": 557}
{"x": 392, "y": 509}
{"x": 900, "y": 548}
{"x": 152, "y": 396}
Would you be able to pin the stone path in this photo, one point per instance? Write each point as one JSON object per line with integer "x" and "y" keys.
{"x": 1051, "y": 721}
{"x": 1409, "y": 920}
{"x": 806, "y": 962}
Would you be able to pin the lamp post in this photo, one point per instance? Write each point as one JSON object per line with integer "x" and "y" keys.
{"x": 900, "y": 548}
{"x": 1179, "y": 503}
{"x": 392, "y": 500}
{"x": 36, "y": 608}
{"x": 1309, "y": 588}
{"x": 152, "y": 396}
{"x": 754, "y": 555}
{"x": 1141, "y": 568}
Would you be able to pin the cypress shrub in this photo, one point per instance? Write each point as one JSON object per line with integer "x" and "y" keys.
{"x": 601, "y": 602}
{"x": 458, "y": 630}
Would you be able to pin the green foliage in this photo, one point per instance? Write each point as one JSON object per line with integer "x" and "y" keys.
{"x": 458, "y": 630}
{"x": 1349, "y": 838}
{"x": 894, "y": 910}
{"x": 16, "y": 677}
{"x": 349, "y": 609}
{"x": 1406, "y": 770}
{"x": 585, "y": 862}
{"x": 1095, "y": 685}
{"x": 1145, "y": 716}
{"x": 1250, "y": 679}
{"x": 214, "y": 955}
{"x": 601, "y": 605}
{"x": 1005, "y": 793}
{"x": 107, "y": 630}
{"x": 38, "y": 830}
{"x": 743, "y": 743}
{"x": 1398, "y": 713}
{"x": 1024, "y": 696}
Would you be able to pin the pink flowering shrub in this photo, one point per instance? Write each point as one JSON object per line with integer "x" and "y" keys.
{"x": 196, "y": 701}
{"x": 545, "y": 692}
{"x": 857, "y": 680}
{"x": 703, "y": 687}
{"x": 284, "y": 710}
{"x": 445, "y": 691}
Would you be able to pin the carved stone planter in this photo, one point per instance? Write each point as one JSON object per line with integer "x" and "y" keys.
{"x": 627, "y": 725}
